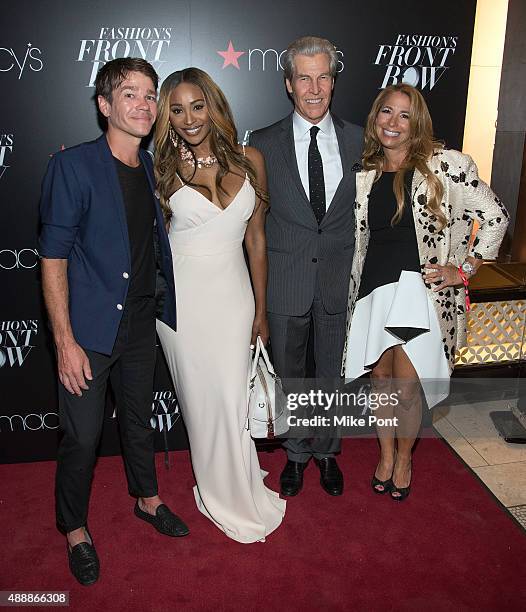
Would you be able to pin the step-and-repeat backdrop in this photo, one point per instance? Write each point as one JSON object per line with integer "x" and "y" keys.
{"x": 49, "y": 55}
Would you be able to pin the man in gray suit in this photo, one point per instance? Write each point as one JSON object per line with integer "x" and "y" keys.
{"x": 309, "y": 157}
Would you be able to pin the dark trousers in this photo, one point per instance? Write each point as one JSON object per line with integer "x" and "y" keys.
{"x": 130, "y": 369}
{"x": 289, "y": 337}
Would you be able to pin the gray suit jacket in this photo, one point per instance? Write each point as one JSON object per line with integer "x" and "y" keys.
{"x": 299, "y": 249}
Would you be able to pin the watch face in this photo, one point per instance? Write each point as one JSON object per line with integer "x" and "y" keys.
{"x": 467, "y": 267}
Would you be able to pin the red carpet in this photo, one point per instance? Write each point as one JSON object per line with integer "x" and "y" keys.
{"x": 448, "y": 547}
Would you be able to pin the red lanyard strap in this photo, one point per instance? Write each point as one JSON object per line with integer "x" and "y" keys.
{"x": 465, "y": 280}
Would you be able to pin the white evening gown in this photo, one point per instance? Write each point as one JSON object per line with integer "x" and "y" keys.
{"x": 209, "y": 359}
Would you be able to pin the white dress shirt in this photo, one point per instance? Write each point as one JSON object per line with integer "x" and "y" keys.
{"x": 329, "y": 151}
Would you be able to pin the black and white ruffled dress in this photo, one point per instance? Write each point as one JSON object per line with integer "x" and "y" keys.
{"x": 393, "y": 307}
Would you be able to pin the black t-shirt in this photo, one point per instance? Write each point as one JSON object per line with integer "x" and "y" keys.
{"x": 392, "y": 248}
{"x": 140, "y": 214}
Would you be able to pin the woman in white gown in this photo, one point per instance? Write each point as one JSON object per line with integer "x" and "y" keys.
{"x": 213, "y": 194}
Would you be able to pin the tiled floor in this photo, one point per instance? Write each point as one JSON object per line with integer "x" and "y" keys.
{"x": 519, "y": 512}
{"x": 501, "y": 466}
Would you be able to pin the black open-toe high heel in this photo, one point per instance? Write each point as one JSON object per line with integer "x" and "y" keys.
{"x": 400, "y": 493}
{"x": 403, "y": 492}
{"x": 386, "y": 484}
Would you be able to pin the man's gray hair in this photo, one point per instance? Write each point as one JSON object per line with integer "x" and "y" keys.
{"x": 309, "y": 45}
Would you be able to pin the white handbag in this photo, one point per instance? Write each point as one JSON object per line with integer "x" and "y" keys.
{"x": 267, "y": 406}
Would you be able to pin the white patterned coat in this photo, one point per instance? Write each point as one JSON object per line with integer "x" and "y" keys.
{"x": 466, "y": 199}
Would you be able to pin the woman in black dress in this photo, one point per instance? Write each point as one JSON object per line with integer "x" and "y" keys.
{"x": 415, "y": 207}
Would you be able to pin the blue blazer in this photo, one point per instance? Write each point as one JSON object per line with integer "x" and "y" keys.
{"x": 84, "y": 221}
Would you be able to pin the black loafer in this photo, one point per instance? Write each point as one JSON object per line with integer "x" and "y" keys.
{"x": 331, "y": 477}
{"x": 291, "y": 479}
{"x": 165, "y": 521}
{"x": 84, "y": 563}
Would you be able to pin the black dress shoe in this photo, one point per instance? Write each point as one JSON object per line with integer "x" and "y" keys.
{"x": 165, "y": 521}
{"x": 84, "y": 563}
{"x": 291, "y": 478}
{"x": 331, "y": 477}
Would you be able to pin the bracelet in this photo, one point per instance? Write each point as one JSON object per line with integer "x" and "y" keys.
{"x": 465, "y": 281}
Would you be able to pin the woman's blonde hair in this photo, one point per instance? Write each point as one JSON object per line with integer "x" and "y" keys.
{"x": 422, "y": 145}
{"x": 223, "y": 139}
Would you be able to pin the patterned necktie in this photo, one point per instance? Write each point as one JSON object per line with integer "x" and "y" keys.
{"x": 316, "y": 180}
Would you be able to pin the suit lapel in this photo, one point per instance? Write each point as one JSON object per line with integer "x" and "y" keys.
{"x": 286, "y": 138}
{"x": 339, "y": 128}
{"x": 146, "y": 162}
{"x": 346, "y": 166}
{"x": 289, "y": 154}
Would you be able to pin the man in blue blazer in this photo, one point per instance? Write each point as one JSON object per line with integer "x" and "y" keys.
{"x": 105, "y": 254}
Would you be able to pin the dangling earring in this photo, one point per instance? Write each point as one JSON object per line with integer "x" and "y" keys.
{"x": 173, "y": 137}
{"x": 185, "y": 152}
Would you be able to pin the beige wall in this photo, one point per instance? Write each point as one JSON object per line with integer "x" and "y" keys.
{"x": 484, "y": 83}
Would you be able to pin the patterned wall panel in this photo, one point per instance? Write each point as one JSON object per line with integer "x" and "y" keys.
{"x": 495, "y": 333}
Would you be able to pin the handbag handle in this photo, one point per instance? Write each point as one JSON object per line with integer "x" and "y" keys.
{"x": 261, "y": 350}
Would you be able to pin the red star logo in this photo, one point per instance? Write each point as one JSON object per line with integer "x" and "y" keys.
{"x": 231, "y": 55}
